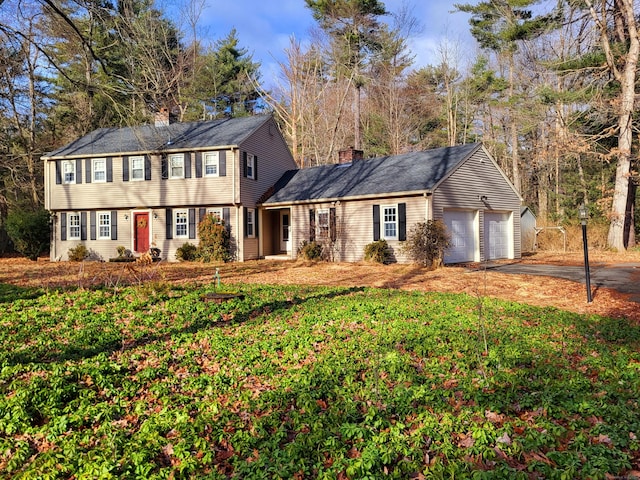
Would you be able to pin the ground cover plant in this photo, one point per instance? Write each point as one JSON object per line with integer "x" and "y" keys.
{"x": 150, "y": 381}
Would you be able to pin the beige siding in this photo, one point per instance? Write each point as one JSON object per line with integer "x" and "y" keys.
{"x": 354, "y": 224}
{"x": 476, "y": 177}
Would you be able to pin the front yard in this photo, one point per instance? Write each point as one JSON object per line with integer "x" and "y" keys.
{"x": 307, "y": 381}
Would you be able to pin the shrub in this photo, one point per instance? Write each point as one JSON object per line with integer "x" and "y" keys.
{"x": 427, "y": 242}
{"x": 185, "y": 253}
{"x": 78, "y": 253}
{"x": 310, "y": 250}
{"x": 377, "y": 251}
{"x": 215, "y": 240}
{"x": 29, "y": 231}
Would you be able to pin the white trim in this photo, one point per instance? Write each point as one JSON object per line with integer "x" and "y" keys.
{"x": 94, "y": 170}
{"x": 70, "y": 227}
{"x": 320, "y": 233}
{"x": 72, "y": 174}
{"x": 185, "y": 223}
{"x": 99, "y": 216}
{"x": 384, "y": 222}
{"x": 251, "y": 166}
{"x": 251, "y": 215}
{"x": 131, "y": 169}
{"x": 170, "y": 167}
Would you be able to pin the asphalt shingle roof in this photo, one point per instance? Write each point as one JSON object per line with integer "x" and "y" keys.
{"x": 409, "y": 172}
{"x": 149, "y": 138}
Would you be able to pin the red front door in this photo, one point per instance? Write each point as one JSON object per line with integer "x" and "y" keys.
{"x": 141, "y": 232}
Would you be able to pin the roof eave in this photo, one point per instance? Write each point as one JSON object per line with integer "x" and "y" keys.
{"x": 410, "y": 193}
{"x": 140, "y": 152}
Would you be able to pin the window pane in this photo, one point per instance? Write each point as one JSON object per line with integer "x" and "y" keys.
{"x": 390, "y": 222}
{"x": 137, "y": 168}
{"x": 181, "y": 224}
{"x": 104, "y": 225}
{"x": 211, "y": 165}
{"x": 177, "y": 164}
{"x": 74, "y": 226}
{"x": 99, "y": 171}
{"x": 69, "y": 169}
{"x": 250, "y": 223}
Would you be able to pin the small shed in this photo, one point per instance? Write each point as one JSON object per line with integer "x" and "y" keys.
{"x": 528, "y": 230}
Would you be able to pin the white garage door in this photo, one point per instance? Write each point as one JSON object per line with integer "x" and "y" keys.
{"x": 497, "y": 237}
{"x": 461, "y": 228}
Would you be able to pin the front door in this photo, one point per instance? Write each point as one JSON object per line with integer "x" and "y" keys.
{"x": 285, "y": 241}
{"x": 141, "y": 232}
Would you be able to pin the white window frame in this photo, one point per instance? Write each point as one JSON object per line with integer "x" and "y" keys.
{"x": 73, "y": 226}
{"x": 180, "y": 222}
{"x": 133, "y": 169}
{"x": 251, "y": 222}
{"x": 251, "y": 165}
{"x": 178, "y": 158}
{"x": 323, "y": 225}
{"x": 68, "y": 168}
{"x": 211, "y": 159}
{"x": 104, "y": 225}
{"x": 217, "y": 211}
{"x": 389, "y": 214}
{"x": 102, "y": 171}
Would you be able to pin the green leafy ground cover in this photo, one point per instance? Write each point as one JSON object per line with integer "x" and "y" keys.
{"x": 293, "y": 382}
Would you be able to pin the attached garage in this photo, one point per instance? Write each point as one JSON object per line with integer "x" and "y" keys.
{"x": 462, "y": 226}
{"x": 498, "y": 230}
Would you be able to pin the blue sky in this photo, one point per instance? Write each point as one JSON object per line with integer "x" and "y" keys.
{"x": 265, "y": 26}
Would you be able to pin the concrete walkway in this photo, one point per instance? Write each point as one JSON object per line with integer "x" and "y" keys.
{"x": 622, "y": 277}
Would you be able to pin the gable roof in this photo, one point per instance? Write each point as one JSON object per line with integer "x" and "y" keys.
{"x": 150, "y": 138}
{"x": 409, "y": 172}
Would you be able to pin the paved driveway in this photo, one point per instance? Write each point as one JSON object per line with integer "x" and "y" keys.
{"x": 623, "y": 277}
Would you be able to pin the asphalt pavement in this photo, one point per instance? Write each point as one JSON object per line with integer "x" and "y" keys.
{"x": 622, "y": 277}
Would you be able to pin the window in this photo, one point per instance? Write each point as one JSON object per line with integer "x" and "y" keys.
{"x": 182, "y": 223}
{"x": 137, "y": 168}
{"x": 211, "y": 164}
{"x": 69, "y": 171}
{"x": 251, "y": 166}
{"x": 73, "y": 220}
{"x": 176, "y": 166}
{"x": 104, "y": 225}
{"x": 251, "y": 212}
{"x": 323, "y": 224}
{"x": 99, "y": 168}
{"x": 390, "y": 222}
{"x": 215, "y": 211}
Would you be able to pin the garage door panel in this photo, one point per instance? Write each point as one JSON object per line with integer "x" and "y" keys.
{"x": 462, "y": 230}
{"x": 497, "y": 235}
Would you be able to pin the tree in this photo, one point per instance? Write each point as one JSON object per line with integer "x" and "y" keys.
{"x": 354, "y": 28}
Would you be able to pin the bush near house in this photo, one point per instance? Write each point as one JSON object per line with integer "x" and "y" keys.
{"x": 215, "y": 240}
{"x": 377, "y": 251}
{"x": 427, "y": 242}
{"x": 29, "y": 231}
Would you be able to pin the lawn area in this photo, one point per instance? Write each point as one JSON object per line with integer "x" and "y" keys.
{"x": 288, "y": 381}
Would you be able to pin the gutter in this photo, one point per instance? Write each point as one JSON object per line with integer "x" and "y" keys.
{"x": 138, "y": 152}
{"x": 410, "y": 193}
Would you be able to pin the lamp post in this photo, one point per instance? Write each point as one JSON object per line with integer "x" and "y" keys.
{"x": 584, "y": 215}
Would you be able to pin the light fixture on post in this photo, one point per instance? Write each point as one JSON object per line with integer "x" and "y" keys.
{"x": 584, "y": 216}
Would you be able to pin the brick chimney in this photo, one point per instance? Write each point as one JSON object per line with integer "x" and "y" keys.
{"x": 163, "y": 118}
{"x": 350, "y": 154}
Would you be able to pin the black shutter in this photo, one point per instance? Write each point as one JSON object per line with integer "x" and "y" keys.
{"x": 202, "y": 212}
{"x": 226, "y": 218}
{"x": 222, "y": 163}
{"x": 332, "y": 224}
{"x": 78, "y": 171}
{"x": 83, "y": 225}
{"x": 255, "y": 167}
{"x": 198, "y": 164}
{"x": 169, "y": 223}
{"x": 58, "y": 173}
{"x": 165, "y": 168}
{"x": 312, "y": 225}
{"x": 125, "y": 169}
{"x": 63, "y": 226}
{"x": 192, "y": 223}
{"x": 376, "y": 223}
{"x": 244, "y": 164}
{"x": 402, "y": 221}
{"x": 114, "y": 225}
{"x": 255, "y": 222}
{"x": 92, "y": 225}
{"x": 147, "y": 167}
{"x": 109, "y": 169}
{"x": 87, "y": 167}
{"x": 187, "y": 165}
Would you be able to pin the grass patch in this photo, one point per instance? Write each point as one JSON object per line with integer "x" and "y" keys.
{"x": 300, "y": 382}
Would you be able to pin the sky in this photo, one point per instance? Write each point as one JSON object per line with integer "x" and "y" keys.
{"x": 264, "y": 28}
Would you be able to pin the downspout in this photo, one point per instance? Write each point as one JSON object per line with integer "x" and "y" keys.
{"x": 235, "y": 202}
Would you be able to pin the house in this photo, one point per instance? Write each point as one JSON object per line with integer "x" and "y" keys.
{"x": 356, "y": 201}
{"x": 148, "y": 186}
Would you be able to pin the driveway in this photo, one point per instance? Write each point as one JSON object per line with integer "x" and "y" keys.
{"x": 622, "y": 277}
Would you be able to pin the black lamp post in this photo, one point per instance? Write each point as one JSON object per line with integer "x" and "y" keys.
{"x": 584, "y": 215}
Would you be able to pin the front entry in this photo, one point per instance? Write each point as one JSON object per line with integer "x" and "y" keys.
{"x": 285, "y": 240}
{"x": 141, "y": 232}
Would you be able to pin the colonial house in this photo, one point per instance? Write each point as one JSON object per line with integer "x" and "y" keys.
{"x": 148, "y": 186}
{"x": 347, "y": 205}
